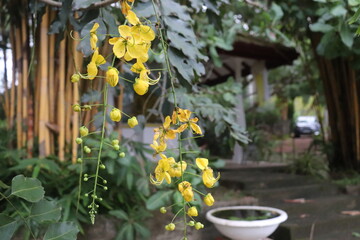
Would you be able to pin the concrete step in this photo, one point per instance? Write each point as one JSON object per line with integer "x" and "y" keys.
{"x": 258, "y": 180}
{"x": 320, "y": 227}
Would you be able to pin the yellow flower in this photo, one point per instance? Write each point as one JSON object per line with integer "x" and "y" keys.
{"x": 208, "y": 173}
{"x": 186, "y": 190}
{"x": 192, "y": 212}
{"x": 93, "y": 37}
{"x": 75, "y": 78}
{"x": 76, "y": 108}
{"x": 161, "y": 171}
{"x": 125, "y": 7}
{"x": 177, "y": 168}
{"x": 132, "y": 18}
{"x": 158, "y": 147}
{"x": 137, "y": 67}
{"x": 84, "y": 131}
{"x": 132, "y": 122}
{"x": 112, "y": 76}
{"x": 115, "y": 115}
{"x": 129, "y": 43}
{"x": 96, "y": 60}
{"x": 209, "y": 200}
{"x": 184, "y": 116}
{"x": 140, "y": 86}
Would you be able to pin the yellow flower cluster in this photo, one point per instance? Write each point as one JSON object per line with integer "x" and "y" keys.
{"x": 167, "y": 167}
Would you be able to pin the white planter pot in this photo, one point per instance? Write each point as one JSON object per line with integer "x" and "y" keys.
{"x": 247, "y": 230}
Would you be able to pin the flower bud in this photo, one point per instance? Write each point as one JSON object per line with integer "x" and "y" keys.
{"x": 75, "y": 78}
{"x": 87, "y": 149}
{"x": 87, "y": 107}
{"x": 163, "y": 210}
{"x": 84, "y": 131}
{"x": 102, "y": 166}
{"x": 115, "y": 115}
{"x": 199, "y": 225}
{"x": 141, "y": 86}
{"x": 115, "y": 142}
{"x": 78, "y": 140}
{"x": 116, "y": 147}
{"x": 79, "y": 160}
{"x": 170, "y": 227}
{"x": 132, "y": 122}
{"x": 192, "y": 212}
{"x": 76, "y": 108}
{"x": 209, "y": 200}
{"x": 122, "y": 154}
{"x": 112, "y": 76}
{"x": 191, "y": 223}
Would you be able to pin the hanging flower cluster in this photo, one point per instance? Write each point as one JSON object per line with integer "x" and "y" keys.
{"x": 168, "y": 168}
{"x": 131, "y": 46}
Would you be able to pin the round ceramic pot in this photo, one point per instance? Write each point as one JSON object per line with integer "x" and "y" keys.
{"x": 246, "y": 229}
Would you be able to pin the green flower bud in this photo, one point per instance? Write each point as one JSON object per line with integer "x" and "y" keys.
{"x": 116, "y": 147}
{"x": 163, "y": 210}
{"x": 79, "y": 160}
{"x": 76, "y": 108}
{"x": 115, "y": 142}
{"x": 102, "y": 166}
{"x": 122, "y": 154}
{"x": 84, "y": 131}
{"x": 75, "y": 78}
{"x": 78, "y": 140}
{"x": 191, "y": 223}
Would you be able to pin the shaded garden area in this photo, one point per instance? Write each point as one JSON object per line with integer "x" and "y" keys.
{"x": 138, "y": 116}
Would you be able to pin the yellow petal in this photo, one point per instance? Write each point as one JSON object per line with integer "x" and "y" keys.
{"x": 134, "y": 50}
{"x": 93, "y": 41}
{"x": 132, "y": 18}
{"x": 94, "y": 28}
{"x": 182, "y": 128}
{"x": 115, "y": 115}
{"x": 146, "y": 33}
{"x": 125, "y": 7}
{"x": 153, "y": 181}
{"x": 92, "y": 70}
{"x": 125, "y": 31}
{"x": 192, "y": 212}
{"x": 112, "y": 76}
{"x": 202, "y": 163}
{"x": 113, "y": 40}
{"x": 167, "y": 122}
{"x": 137, "y": 67}
{"x": 168, "y": 178}
{"x": 140, "y": 87}
{"x": 100, "y": 60}
{"x": 119, "y": 49}
{"x": 170, "y": 134}
{"x": 195, "y": 128}
{"x": 188, "y": 194}
{"x": 209, "y": 200}
{"x": 208, "y": 178}
{"x": 127, "y": 57}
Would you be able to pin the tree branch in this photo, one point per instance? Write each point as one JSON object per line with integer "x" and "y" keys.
{"x": 95, "y": 5}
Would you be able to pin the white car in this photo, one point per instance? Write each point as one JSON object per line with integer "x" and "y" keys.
{"x": 306, "y": 125}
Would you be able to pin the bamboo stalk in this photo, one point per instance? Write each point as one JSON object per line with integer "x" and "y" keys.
{"x": 44, "y": 133}
{"x": 24, "y": 95}
{"x": 61, "y": 101}
{"x": 18, "y": 90}
{"x": 51, "y": 90}
{"x": 12, "y": 91}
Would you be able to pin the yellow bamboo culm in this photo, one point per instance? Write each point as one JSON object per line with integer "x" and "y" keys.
{"x": 44, "y": 133}
{"x": 61, "y": 101}
{"x": 25, "y": 91}
{"x": 18, "y": 89}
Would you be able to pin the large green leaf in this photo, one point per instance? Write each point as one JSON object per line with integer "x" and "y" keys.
{"x": 8, "y": 226}
{"x": 159, "y": 199}
{"x": 144, "y": 232}
{"x": 346, "y": 35}
{"x": 29, "y": 189}
{"x": 320, "y": 27}
{"x": 119, "y": 214}
{"x": 62, "y": 231}
{"x": 172, "y": 8}
{"x": 45, "y": 211}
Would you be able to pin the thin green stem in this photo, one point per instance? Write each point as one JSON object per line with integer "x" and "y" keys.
{"x": 199, "y": 192}
{"x": 93, "y": 205}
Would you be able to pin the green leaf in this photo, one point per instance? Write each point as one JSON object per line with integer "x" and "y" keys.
{"x": 29, "y": 189}
{"x": 125, "y": 232}
{"x": 321, "y": 27}
{"x": 181, "y": 64}
{"x": 339, "y": 10}
{"x": 59, "y": 24}
{"x": 159, "y": 199}
{"x": 346, "y": 35}
{"x": 8, "y": 227}
{"x": 355, "y": 17}
{"x": 78, "y": 4}
{"x": 183, "y": 45}
{"x": 172, "y": 8}
{"x": 45, "y": 211}
{"x": 142, "y": 185}
{"x": 129, "y": 179}
{"x": 3, "y": 185}
{"x": 62, "y": 231}
{"x": 143, "y": 231}
{"x": 180, "y": 26}
{"x": 277, "y": 12}
{"x": 119, "y": 214}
